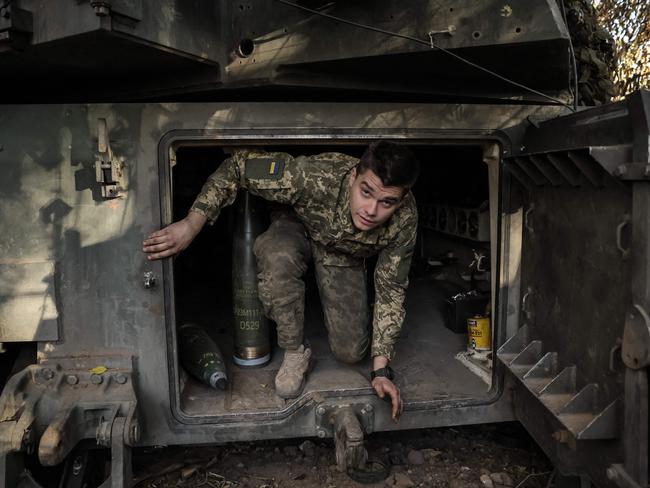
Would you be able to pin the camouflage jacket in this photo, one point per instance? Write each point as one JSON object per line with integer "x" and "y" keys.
{"x": 317, "y": 187}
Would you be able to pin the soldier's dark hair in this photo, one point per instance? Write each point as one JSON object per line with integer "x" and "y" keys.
{"x": 395, "y": 164}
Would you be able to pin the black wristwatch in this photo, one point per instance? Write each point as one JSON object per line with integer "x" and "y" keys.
{"x": 386, "y": 372}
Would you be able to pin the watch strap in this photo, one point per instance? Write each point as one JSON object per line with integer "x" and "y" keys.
{"x": 385, "y": 372}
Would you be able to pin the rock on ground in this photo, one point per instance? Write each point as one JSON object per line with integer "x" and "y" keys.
{"x": 415, "y": 457}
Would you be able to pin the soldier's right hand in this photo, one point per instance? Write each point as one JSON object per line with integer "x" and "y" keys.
{"x": 172, "y": 239}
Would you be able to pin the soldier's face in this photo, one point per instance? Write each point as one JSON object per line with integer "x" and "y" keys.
{"x": 372, "y": 203}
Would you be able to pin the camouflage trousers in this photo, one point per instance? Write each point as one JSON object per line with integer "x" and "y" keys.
{"x": 283, "y": 255}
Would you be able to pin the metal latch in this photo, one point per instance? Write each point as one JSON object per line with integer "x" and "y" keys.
{"x": 109, "y": 170}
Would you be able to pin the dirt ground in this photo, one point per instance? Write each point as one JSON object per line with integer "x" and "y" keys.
{"x": 485, "y": 456}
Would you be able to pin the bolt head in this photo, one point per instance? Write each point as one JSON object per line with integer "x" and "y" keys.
{"x": 320, "y": 410}
{"x": 96, "y": 379}
{"x": 72, "y": 379}
{"x": 369, "y": 408}
{"x": 120, "y": 378}
{"x": 321, "y": 433}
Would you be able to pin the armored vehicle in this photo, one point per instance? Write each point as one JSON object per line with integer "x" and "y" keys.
{"x": 113, "y": 114}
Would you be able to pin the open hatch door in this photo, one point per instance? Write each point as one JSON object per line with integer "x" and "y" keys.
{"x": 579, "y": 351}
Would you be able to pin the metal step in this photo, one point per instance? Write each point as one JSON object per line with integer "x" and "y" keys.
{"x": 560, "y": 390}
{"x": 604, "y": 424}
{"x": 513, "y": 346}
{"x": 582, "y": 401}
{"x": 576, "y": 422}
{"x": 542, "y": 373}
{"x": 555, "y": 402}
{"x": 536, "y": 384}
{"x": 577, "y": 409}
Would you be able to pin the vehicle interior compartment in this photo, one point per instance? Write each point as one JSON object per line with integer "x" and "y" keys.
{"x": 450, "y": 281}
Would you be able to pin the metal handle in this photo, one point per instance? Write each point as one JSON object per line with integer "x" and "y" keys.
{"x": 525, "y": 305}
{"x": 625, "y": 252}
{"x": 527, "y": 218}
{"x": 616, "y": 348}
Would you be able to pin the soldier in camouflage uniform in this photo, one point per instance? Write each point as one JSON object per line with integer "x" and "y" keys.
{"x": 344, "y": 210}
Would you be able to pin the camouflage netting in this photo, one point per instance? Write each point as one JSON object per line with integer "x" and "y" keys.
{"x": 594, "y": 51}
{"x": 628, "y": 21}
{"x": 612, "y": 46}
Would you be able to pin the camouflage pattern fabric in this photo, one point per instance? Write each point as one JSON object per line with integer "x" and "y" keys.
{"x": 317, "y": 187}
{"x": 594, "y": 50}
{"x": 283, "y": 253}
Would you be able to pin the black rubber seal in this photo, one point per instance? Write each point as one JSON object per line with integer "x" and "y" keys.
{"x": 376, "y": 471}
